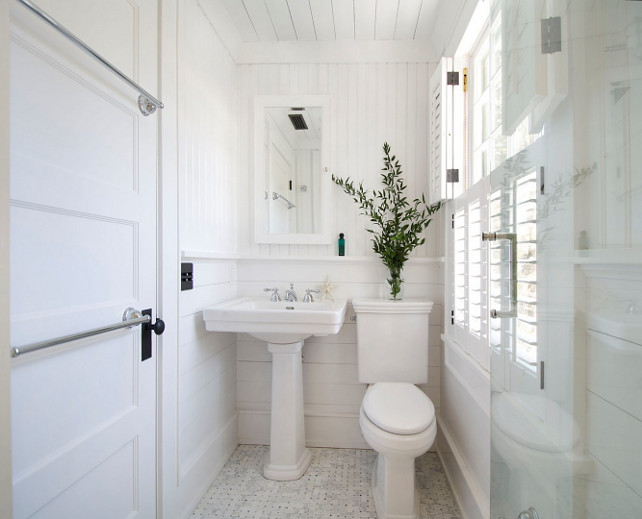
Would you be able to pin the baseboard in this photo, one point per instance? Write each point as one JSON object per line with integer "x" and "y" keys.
{"x": 471, "y": 499}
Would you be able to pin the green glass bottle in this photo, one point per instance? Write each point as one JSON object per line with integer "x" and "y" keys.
{"x": 342, "y": 245}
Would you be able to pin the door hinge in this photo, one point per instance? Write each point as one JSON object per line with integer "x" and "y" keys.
{"x": 452, "y": 221}
{"x": 465, "y": 74}
{"x": 551, "y": 35}
{"x": 452, "y": 175}
{"x": 452, "y": 78}
{"x": 452, "y": 317}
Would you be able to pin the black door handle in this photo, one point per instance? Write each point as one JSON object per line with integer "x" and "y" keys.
{"x": 146, "y": 334}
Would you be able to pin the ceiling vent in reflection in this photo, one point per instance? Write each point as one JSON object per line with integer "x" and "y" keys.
{"x": 298, "y": 121}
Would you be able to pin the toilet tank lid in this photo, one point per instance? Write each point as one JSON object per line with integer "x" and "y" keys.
{"x": 387, "y": 306}
{"x": 398, "y": 407}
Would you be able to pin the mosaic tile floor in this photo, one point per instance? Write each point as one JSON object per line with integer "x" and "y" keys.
{"x": 337, "y": 485}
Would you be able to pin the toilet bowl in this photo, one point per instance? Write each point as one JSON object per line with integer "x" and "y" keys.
{"x": 397, "y": 419}
{"x": 398, "y": 434}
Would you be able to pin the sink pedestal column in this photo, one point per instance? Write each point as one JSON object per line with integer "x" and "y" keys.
{"x": 288, "y": 458}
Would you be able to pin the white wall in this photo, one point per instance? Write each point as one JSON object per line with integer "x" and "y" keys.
{"x": 200, "y": 163}
{"x": 371, "y": 103}
{"x": 208, "y": 135}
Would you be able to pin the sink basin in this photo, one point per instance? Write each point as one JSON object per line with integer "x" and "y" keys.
{"x": 278, "y": 323}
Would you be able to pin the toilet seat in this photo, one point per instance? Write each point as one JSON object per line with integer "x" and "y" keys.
{"x": 398, "y": 407}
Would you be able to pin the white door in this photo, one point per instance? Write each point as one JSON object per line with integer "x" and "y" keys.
{"x": 83, "y": 248}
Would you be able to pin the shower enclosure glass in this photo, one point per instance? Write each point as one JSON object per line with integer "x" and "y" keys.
{"x": 564, "y": 275}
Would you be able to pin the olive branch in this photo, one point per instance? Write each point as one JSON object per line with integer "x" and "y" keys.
{"x": 398, "y": 224}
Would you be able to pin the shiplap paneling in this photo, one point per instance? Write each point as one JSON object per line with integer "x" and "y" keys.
{"x": 371, "y": 103}
{"x": 208, "y": 136}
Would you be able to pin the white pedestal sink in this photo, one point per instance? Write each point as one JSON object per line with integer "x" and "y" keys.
{"x": 284, "y": 326}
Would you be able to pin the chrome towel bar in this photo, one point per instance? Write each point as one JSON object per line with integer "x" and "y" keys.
{"x": 131, "y": 318}
{"x": 147, "y": 103}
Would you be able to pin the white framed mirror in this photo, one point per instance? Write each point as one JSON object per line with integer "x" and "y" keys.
{"x": 291, "y": 173}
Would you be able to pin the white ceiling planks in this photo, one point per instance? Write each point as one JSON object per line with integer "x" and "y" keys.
{"x": 329, "y": 20}
{"x": 297, "y": 31}
{"x": 407, "y": 17}
{"x": 426, "y": 18}
{"x": 386, "y": 20}
{"x": 301, "y": 13}
{"x": 364, "y": 19}
{"x": 343, "y": 13}
{"x": 241, "y": 19}
{"x": 258, "y": 13}
{"x": 279, "y": 13}
{"x": 323, "y": 19}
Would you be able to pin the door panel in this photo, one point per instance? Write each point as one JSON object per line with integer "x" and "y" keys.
{"x": 83, "y": 248}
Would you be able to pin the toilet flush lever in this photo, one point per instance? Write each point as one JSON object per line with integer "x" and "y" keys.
{"x": 512, "y": 237}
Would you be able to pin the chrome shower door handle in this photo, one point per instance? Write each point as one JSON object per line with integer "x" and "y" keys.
{"x": 512, "y": 237}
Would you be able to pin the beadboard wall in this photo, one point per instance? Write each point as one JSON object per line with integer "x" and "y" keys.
{"x": 208, "y": 137}
{"x": 371, "y": 103}
{"x": 206, "y": 429}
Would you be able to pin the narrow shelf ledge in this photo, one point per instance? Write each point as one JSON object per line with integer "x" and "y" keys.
{"x": 205, "y": 255}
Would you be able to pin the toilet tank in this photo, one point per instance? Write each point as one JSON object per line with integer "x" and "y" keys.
{"x": 392, "y": 340}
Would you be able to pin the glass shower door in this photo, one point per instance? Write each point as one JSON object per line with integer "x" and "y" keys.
{"x": 565, "y": 263}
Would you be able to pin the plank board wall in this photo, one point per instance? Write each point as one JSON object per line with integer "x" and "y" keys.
{"x": 208, "y": 136}
{"x": 613, "y": 418}
{"x": 371, "y": 103}
{"x": 206, "y": 431}
{"x": 332, "y": 392}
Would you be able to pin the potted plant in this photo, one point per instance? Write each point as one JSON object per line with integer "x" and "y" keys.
{"x": 398, "y": 224}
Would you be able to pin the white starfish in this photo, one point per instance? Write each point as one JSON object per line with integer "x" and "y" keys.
{"x": 327, "y": 291}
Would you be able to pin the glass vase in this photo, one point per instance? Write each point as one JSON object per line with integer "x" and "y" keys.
{"x": 394, "y": 284}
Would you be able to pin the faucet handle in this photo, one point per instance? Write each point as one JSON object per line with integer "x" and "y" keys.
{"x": 307, "y": 298}
{"x": 275, "y": 297}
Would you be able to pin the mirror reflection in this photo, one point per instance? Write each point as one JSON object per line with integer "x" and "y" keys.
{"x": 292, "y": 186}
{"x": 293, "y": 168}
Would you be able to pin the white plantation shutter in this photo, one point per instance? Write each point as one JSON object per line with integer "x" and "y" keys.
{"x": 439, "y": 121}
{"x": 526, "y": 229}
{"x": 479, "y": 271}
{"x": 469, "y": 293}
{"x": 444, "y": 134}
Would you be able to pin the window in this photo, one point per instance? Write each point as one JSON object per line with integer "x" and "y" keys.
{"x": 490, "y": 146}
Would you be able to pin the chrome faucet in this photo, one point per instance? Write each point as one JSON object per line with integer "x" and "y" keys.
{"x": 290, "y": 294}
{"x": 275, "y": 297}
{"x": 307, "y": 298}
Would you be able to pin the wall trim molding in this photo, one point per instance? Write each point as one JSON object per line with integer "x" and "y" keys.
{"x": 196, "y": 255}
{"x": 472, "y": 492}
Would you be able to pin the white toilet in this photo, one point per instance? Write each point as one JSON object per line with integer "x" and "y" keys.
{"x": 397, "y": 418}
